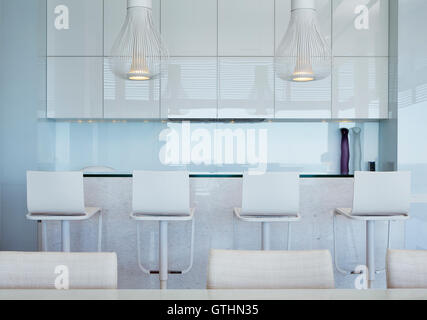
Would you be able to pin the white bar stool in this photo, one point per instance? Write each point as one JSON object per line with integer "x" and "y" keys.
{"x": 59, "y": 196}
{"x": 162, "y": 197}
{"x": 378, "y": 196}
{"x": 270, "y": 198}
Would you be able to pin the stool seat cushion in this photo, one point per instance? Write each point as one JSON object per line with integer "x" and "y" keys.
{"x": 267, "y": 215}
{"x": 266, "y": 218}
{"x": 156, "y": 217}
{"x": 348, "y": 212}
{"x": 89, "y": 213}
{"x": 170, "y": 214}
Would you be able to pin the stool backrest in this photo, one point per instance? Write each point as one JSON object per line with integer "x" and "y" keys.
{"x": 270, "y": 270}
{"x": 39, "y": 270}
{"x": 161, "y": 193}
{"x": 381, "y": 193}
{"x": 271, "y": 194}
{"x": 406, "y": 269}
{"x": 55, "y": 193}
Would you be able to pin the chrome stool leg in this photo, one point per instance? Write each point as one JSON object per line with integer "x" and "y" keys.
{"x": 44, "y": 236}
{"x": 163, "y": 255}
{"x": 66, "y": 237}
{"x": 100, "y": 232}
{"x": 266, "y": 228}
{"x": 370, "y": 251}
{"x": 388, "y": 246}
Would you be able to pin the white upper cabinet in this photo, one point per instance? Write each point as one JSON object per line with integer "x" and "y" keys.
{"x": 247, "y": 88}
{"x": 190, "y": 88}
{"x": 114, "y": 18}
{"x": 361, "y": 28}
{"x": 311, "y": 100}
{"x": 189, "y": 27}
{"x": 222, "y": 61}
{"x": 74, "y": 27}
{"x": 246, "y": 28}
{"x": 124, "y": 99}
{"x": 360, "y": 88}
{"x": 74, "y": 87}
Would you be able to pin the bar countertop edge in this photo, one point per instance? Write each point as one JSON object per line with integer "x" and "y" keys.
{"x": 210, "y": 175}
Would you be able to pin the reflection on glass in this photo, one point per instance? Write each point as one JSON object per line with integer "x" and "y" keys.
{"x": 311, "y": 147}
{"x": 246, "y": 88}
{"x": 189, "y": 88}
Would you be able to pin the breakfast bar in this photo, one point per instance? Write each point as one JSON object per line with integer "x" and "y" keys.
{"x": 214, "y": 196}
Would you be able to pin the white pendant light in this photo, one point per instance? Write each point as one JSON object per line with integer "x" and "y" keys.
{"x": 303, "y": 54}
{"x": 138, "y": 50}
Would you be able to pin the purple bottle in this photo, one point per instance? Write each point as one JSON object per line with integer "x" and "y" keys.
{"x": 345, "y": 152}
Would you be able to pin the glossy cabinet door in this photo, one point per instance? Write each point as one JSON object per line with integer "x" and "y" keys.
{"x": 190, "y": 88}
{"x": 246, "y": 88}
{"x": 74, "y": 27}
{"x": 360, "y": 88}
{"x": 189, "y": 27}
{"x": 246, "y": 28}
{"x": 114, "y": 18}
{"x": 361, "y": 28}
{"x": 124, "y": 99}
{"x": 74, "y": 87}
{"x": 310, "y": 100}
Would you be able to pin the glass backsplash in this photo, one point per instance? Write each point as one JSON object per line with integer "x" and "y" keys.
{"x": 211, "y": 147}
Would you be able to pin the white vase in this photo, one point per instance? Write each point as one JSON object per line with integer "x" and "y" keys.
{"x": 357, "y": 149}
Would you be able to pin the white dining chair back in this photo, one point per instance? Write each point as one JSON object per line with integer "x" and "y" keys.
{"x": 271, "y": 194}
{"x": 407, "y": 269}
{"x": 381, "y": 193}
{"x": 55, "y": 193}
{"x": 270, "y": 270}
{"x": 34, "y": 270}
{"x": 161, "y": 193}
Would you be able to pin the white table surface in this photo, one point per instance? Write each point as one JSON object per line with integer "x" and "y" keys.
{"x": 213, "y": 295}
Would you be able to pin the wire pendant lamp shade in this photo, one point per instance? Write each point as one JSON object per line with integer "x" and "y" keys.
{"x": 303, "y": 54}
{"x": 138, "y": 50}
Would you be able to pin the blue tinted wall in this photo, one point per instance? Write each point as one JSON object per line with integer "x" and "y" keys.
{"x": 22, "y": 80}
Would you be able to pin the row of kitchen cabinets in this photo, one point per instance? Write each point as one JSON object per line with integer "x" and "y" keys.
{"x": 206, "y": 28}
{"x": 216, "y": 88}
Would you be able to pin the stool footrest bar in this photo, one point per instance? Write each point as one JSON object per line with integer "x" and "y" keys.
{"x": 356, "y": 272}
{"x": 169, "y": 272}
